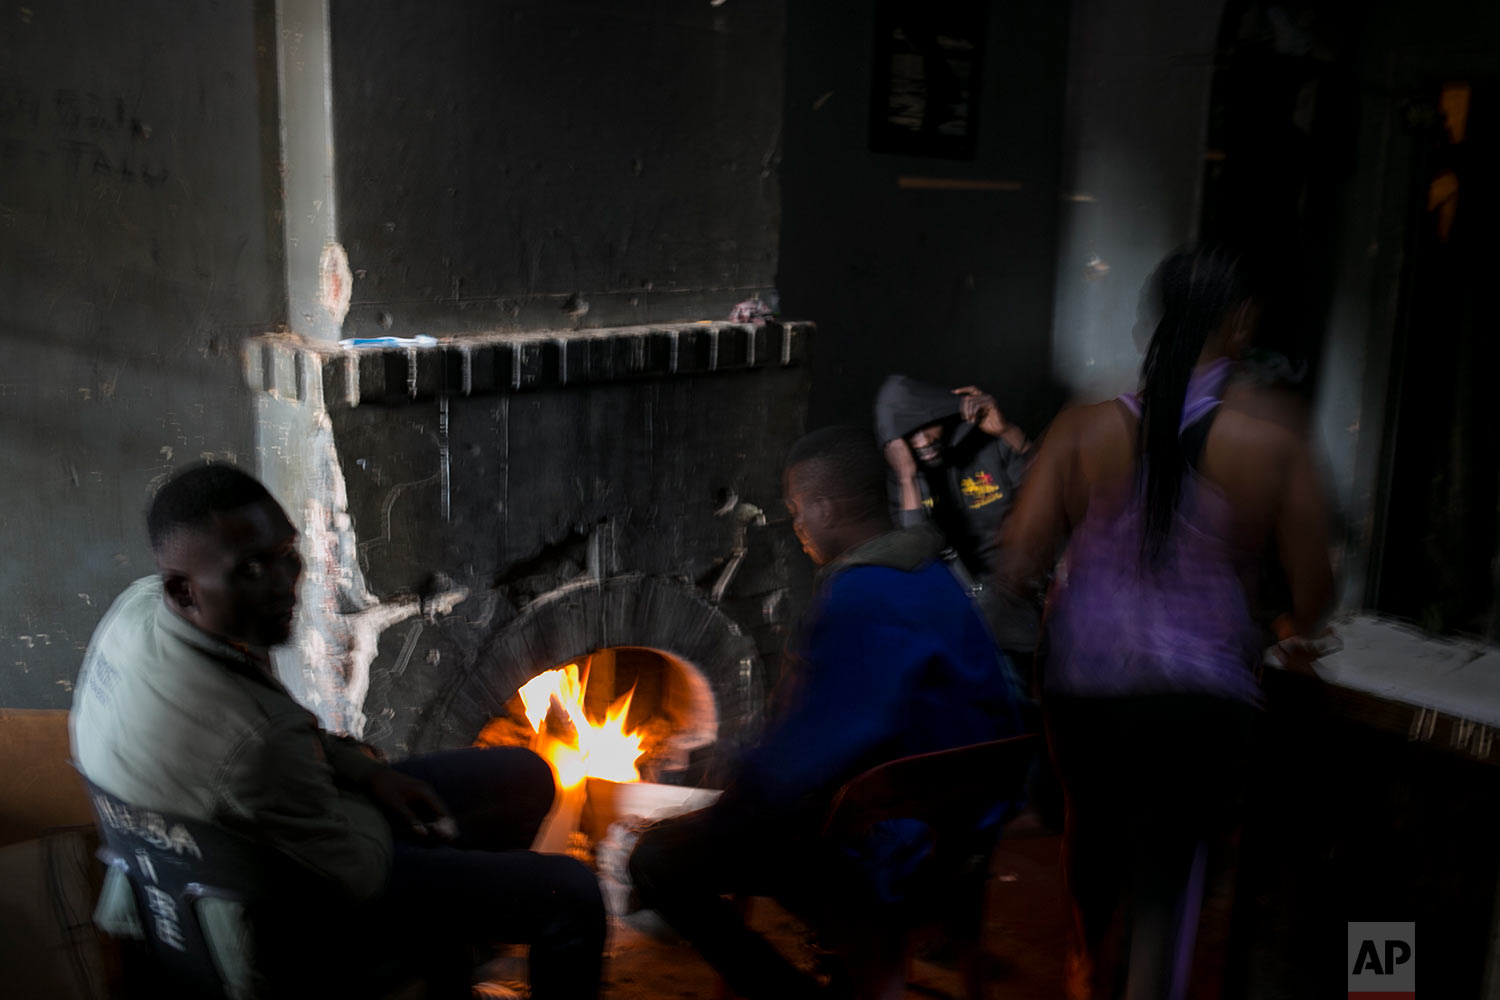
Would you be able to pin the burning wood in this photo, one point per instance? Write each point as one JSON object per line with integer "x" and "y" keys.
{"x": 599, "y": 741}
{"x": 563, "y": 732}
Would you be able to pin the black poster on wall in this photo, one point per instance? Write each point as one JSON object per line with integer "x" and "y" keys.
{"x": 928, "y": 74}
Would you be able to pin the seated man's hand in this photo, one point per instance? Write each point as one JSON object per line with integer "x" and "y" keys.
{"x": 978, "y": 407}
{"x": 369, "y": 750}
{"x": 411, "y": 803}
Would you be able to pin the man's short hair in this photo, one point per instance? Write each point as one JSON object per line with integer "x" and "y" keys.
{"x": 194, "y": 495}
{"x": 845, "y": 465}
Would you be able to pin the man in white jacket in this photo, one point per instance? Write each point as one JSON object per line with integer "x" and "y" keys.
{"x": 177, "y": 709}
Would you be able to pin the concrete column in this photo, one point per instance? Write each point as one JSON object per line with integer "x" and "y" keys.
{"x": 317, "y": 271}
{"x": 1139, "y": 75}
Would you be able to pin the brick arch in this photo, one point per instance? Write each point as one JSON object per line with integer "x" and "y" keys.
{"x": 573, "y": 621}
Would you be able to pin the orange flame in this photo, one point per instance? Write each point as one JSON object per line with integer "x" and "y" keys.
{"x": 597, "y": 749}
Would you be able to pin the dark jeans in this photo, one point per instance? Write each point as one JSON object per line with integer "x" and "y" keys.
{"x": 1151, "y": 783}
{"x": 486, "y": 888}
{"x": 682, "y": 868}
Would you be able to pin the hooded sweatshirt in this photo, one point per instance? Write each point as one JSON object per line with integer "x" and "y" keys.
{"x": 967, "y": 498}
{"x": 893, "y": 659}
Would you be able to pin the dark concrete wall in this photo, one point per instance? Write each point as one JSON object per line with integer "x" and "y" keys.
{"x": 949, "y": 285}
{"x": 513, "y": 165}
{"x": 140, "y": 245}
{"x": 522, "y": 163}
{"x": 1139, "y": 73}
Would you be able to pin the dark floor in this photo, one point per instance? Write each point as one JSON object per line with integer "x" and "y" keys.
{"x": 1024, "y": 940}
{"x": 1343, "y": 822}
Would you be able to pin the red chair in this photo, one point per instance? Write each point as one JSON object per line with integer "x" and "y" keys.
{"x": 952, "y": 792}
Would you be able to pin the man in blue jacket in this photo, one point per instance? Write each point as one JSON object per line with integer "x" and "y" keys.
{"x": 893, "y": 659}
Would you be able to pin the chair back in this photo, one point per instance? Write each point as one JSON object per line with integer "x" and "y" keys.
{"x": 172, "y": 864}
{"x": 950, "y": 790}
{"x": 959, "y": 796}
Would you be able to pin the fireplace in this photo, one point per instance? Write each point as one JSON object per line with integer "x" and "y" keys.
{"x": 622, "y": 714}
{"x": 485, "y": 508}
{"x": 619, "y": 716}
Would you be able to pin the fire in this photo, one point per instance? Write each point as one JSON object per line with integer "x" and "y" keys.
{"x": 591, "y": 749}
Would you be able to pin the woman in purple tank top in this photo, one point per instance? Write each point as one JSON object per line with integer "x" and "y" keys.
{"x": 1155, "y": 511}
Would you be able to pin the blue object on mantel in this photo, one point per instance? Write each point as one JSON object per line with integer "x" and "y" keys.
{"x": 421, "y": 340}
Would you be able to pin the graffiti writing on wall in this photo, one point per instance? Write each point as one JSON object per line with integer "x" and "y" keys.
{"x": 76, "y": 133}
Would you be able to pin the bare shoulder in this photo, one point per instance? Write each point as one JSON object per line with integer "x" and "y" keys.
{"x": 1083, "y": 423}
{"x": 1262, "y": 428}
{"x": 1276, "y": 408}
{"x": 1094, "y": 441}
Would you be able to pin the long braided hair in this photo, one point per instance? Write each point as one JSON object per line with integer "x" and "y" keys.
{"x": 1198, "y": 290}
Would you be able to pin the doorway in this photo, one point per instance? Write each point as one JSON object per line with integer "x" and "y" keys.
{"x": 1440, "y": 522}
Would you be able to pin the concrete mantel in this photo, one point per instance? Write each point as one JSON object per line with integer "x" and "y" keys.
{"x": 489, "y": 468}
{"x": 301, "y": 369}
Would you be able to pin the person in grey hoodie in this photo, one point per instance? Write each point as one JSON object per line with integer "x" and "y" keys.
{"x": 957, "y": 462}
